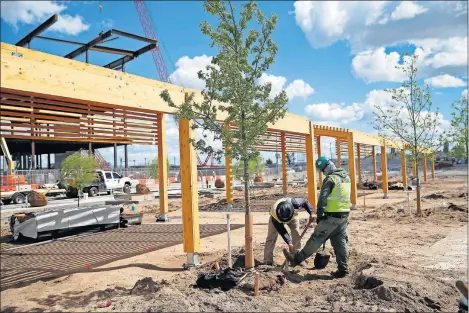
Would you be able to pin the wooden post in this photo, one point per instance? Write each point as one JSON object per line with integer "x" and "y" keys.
{"x": 351, "y": 170}
{"x": 359, "y": 164}
{"x": 432, "y": 165}
{"x": 373, "y": 156}
{"x": 284, "y": 164}
{"x": 339, "y": 155}
{"x": 126, "y": 157}
{"x": 162, "y": 168}
{"x": 190, "y": 199}
{"x": 403, "y": 169}
{"x": 33, "y": 155}
{"x": 424, "y": 164}
{"x": 319, "y": 155}
{"x": 311, "y": 166}
{"x": 229, "y": 179}
{"x": 90, "y": 149}
{"x": 384, "y": 171}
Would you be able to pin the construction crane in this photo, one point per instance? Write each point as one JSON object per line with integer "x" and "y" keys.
{"x": 148, "y": 29}
{"x": 158, "y": 59}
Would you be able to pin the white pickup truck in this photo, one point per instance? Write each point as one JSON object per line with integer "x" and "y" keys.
{"x": 105, "y": 182}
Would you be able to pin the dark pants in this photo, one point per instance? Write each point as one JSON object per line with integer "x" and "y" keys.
{"x": 335, "y": 229}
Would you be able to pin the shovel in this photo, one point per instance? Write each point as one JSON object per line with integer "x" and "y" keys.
{"x": 284, "y": 265}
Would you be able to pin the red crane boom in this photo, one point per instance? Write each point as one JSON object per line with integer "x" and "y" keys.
{"x": 148, "y": 29}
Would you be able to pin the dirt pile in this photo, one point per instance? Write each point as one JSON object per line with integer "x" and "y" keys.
{"x": 142, "y": 189}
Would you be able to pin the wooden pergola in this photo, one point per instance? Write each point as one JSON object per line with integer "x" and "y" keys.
{"x": 48, "y": 97}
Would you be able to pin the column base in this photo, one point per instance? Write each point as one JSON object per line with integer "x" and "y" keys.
{"x": 162, "y": 218}
{"x": 192, "y": 260}
{"x": 385, "y": 196}
{"x": 353, "y": 207}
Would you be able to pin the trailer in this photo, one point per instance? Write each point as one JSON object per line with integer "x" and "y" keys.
{"x": 21, "y": 194}
{"x": 50, "y": 223}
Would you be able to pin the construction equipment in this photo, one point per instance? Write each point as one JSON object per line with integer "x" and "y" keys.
{"x": 7, "y": 155}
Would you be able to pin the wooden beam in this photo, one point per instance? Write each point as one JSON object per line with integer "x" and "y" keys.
{"x": 48, "y": 74}
{"x": 284, "y": 164}
{"x": 162, "y": 168}
{"x": 404, "y": 169}
{"x": 424, "y": 165}
{"x": 311, "y": 167}
{"x": 414, "y": 167}
{"x": 190, "y": 198}
{"x": 351, "y": 170}
{"x": 384, "y": 171}
{"x": 373, "y": 156}
{"x": 318, "y": 148}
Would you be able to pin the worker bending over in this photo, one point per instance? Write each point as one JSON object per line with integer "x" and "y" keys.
{"x": 332, "y": 218}
{"x": 284, "y": 211}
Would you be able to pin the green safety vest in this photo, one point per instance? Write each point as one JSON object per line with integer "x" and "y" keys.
{"x": 339, "y": 199}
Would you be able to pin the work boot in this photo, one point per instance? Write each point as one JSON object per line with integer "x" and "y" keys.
{"x": 339, "y": 274}
{"x": 291, "y": 259}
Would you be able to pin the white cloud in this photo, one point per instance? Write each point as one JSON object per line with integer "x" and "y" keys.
{"x": 435, "y": 55}
{"x": 299, "y": 88}
{"x": 372, "y": 66}
{"x": 35, "y": 12}
{"x": 367, "y": 25}
{"x": 445, "y": 81}
{"x": 338, "y": 113}
{"x": 187, "y": 69}
{"x": 277, "y": 83}
{"x": 464, "y": 93}
{"x": 407, "y": 10}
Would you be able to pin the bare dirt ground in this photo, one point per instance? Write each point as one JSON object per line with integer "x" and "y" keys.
{"x": 398, "y": 263}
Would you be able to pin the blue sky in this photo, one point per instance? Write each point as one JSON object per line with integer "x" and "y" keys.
{"x": 334, "y": 60}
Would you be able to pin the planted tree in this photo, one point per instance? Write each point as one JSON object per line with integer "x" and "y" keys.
{"x": 255, "y": 166}
{"x": 410, "y": 118}
{"x": 459, "y": 129}
{"x": 232, "y": 95}
{"x": 78, "y": 171}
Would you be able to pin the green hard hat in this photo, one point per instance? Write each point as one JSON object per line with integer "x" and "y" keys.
{"x": 321, "y": 163}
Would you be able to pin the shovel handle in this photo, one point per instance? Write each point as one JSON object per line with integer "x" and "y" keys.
{"x": 301, "y": 237}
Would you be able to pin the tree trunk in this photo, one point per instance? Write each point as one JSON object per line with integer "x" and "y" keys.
{"x": 79, "y": 194}
{"x": 419, "y": 204}
{"x": 249, "y": 251}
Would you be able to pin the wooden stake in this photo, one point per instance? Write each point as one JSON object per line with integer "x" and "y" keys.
{"x": 249, "y": 257}
{"x": 256, "y": 284}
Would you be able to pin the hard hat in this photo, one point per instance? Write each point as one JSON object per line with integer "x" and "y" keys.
{"x": 321, "y": 163}
{"x": 285, "y": 211}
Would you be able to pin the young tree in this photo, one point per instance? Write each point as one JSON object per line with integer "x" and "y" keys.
{"x": 255, "y": 166}
{"x": 459, "y": 129}
{"x": 153, "y": 168}
{"x": 232, "y": 89}
{"x": 410, "y": 117}
{"x": 78, "y": 171}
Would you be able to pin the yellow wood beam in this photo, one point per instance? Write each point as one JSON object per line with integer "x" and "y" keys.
{"x": 403, "y": 169}
{"x": 35, "y": 71}
{"x": 190, "y": 207}
{"x": 311, "y": 167}
{"x": 384, "y": 171}
{"x": 351, "y": 170}
{"x": 414, "y": 167}
{"x": 284, "y": 164}
{"x": 424, "y": 165}
{"x": 373, "y": 156}
{"x": 318, "y": 148}
{"x": 162, "y": 167}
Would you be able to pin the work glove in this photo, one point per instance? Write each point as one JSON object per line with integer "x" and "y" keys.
{"x": 312, "y": 218}
{"x": 291, "y": 248}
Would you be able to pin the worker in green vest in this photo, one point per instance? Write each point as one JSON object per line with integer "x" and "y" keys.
{"x": 332, "y": 218}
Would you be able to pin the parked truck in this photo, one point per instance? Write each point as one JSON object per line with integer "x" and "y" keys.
{"x": 104, "y": 183}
